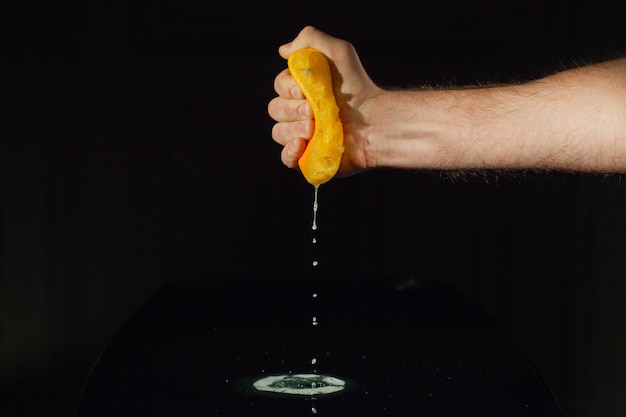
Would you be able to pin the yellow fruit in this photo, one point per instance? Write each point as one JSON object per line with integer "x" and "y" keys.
{"x": 322, "y": 156}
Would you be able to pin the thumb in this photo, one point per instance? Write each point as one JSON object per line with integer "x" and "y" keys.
{"x": 309, "y": 37}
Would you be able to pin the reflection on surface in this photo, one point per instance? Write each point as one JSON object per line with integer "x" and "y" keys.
{"x": 404, "y": 349}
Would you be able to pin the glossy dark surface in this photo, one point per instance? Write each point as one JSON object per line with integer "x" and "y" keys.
{"x": 408, "y": 349}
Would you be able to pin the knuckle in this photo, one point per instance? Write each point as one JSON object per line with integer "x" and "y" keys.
{"x": 309, "y": 31}
{"x": 342, "y": 50}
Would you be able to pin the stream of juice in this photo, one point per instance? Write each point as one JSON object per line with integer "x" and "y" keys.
{"x": 314, "y": 293}
{"x": 314, "y": 266}
{"x": 311, "y": 384}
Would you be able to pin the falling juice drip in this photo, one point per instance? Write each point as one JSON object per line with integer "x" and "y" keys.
{"x": 314, "y": 227}
{"x": 314, "y": 271}
{"x": 314, "y": 261}
{"x": 313, "y": 383}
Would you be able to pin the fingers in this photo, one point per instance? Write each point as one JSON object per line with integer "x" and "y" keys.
{"x": 285, "y": 132}
{"x": 291, "y": 110}
{"x": 290, "y": 105}
{"x": 286, "y": 86}
{"x": 292, "y": 151}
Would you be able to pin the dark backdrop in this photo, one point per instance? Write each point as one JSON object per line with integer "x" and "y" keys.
{"x": 137, "y": 151}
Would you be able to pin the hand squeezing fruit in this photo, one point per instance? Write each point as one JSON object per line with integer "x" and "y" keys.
{"x": 322, "y": 156}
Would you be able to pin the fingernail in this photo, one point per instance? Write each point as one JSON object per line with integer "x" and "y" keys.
{"x": 296, "y": 92}
{"x": 304, "y": 128}
{"x": 304, "y": 110}
{"x": 289, "y": 148}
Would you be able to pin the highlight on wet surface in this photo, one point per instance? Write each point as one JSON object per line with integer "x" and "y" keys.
{"x": 300, "y": 384}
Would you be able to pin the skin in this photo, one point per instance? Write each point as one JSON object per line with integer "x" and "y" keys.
{"x": 574, "y": 120}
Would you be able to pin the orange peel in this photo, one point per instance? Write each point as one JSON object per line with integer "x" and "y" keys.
{"x": 321, "y": 159}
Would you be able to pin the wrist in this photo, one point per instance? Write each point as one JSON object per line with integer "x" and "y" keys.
{"x": 413, "y": 129}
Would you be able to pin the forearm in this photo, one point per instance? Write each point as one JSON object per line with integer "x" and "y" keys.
{"x": 574, "y": 120}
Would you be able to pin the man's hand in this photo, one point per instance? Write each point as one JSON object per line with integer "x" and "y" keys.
{"x": 574, "y": 120}
{"x": 354, "y": 91}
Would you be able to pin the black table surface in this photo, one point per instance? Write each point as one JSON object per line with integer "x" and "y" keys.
{"x": 403, "y": 348}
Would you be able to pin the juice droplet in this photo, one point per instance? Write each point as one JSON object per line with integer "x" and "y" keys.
{"x": 314, "y": 227}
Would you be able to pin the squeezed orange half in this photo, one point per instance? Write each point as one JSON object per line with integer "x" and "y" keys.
{"x": 322, "y": 156}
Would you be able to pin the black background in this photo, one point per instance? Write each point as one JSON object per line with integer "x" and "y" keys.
{"x": 137, "y": 151}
